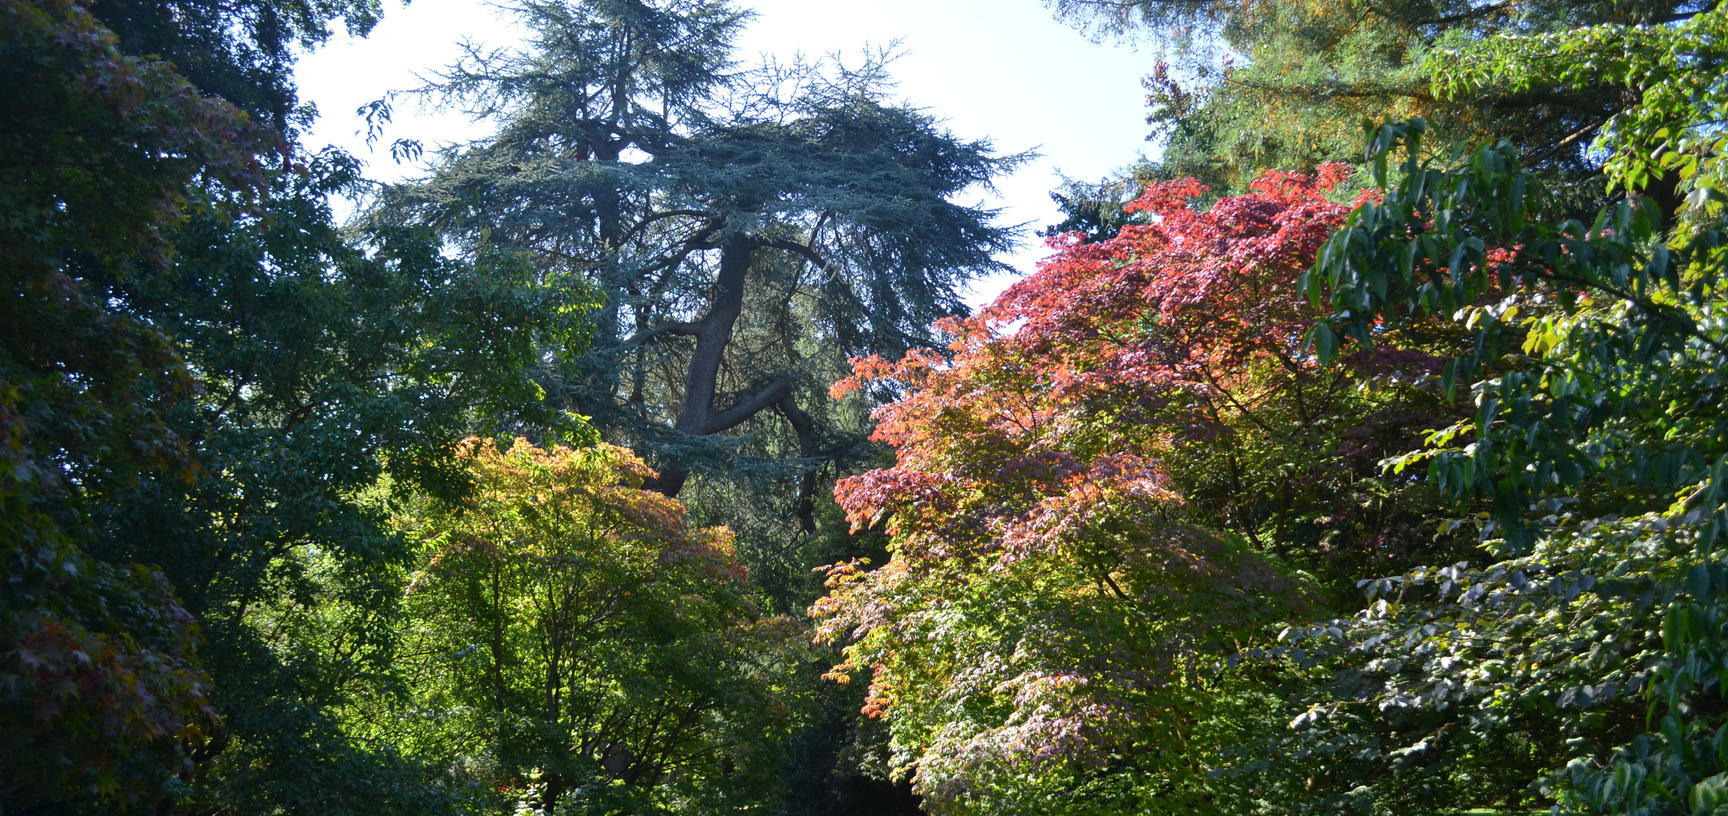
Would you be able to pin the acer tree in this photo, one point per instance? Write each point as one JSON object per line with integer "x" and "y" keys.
{"x": 1104, "y": 490}
{"x": 573, "y": 644}
{"x": 101, "y": 679}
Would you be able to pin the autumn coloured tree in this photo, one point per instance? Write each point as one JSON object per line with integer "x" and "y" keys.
{"x": 573, "y": 645}
{"x": 1108, "y": 487}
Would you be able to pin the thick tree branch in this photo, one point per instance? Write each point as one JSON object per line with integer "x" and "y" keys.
{"x": 1467, "y": 15}
{"x": 745, "y": 408}
{"x": 653, "y": 333}
{"x": 713, "y": 334}
{"x": 803, "y": 250}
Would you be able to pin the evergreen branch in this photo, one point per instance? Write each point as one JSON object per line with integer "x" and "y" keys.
{"x": 661, "y": 216}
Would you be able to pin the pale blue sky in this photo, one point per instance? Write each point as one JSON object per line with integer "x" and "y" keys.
{"x": 998, "y": 69}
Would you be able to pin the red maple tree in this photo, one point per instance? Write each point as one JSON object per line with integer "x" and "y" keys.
{"x": 1059, "y": 571}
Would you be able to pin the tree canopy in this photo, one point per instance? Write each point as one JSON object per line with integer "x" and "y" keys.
{"x": 573, "y": 638}
{"x": 1363, "y": 456}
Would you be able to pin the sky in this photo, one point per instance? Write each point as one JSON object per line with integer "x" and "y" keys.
{"x": 1003, "y": 70}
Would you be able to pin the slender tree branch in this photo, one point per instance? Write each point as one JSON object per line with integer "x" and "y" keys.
{"x": 805, "y": 510}
{"x": 1569, "y": 139}
{"x": 661, "y": 216}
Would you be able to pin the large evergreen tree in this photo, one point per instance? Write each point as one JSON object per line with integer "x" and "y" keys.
{"x": 746, "y": 229}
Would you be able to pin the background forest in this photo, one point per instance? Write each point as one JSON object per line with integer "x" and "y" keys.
{"x": 1362, "y": 454}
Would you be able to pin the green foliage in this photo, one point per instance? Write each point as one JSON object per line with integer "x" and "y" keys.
{"x": 198, "y": 372}
{"x": 322, "y": 365}
{"x": 1666, "y": 140}
{"x": 242, "y": 51}
{"x": 570, "y": 642}
{"x": 1597, "y": 359}
{"x": 1596, "y": 315}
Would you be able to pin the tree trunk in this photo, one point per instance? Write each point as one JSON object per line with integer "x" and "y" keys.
{"x": 713, "y": 335}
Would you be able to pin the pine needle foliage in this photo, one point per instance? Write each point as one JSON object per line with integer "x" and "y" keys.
{"x": 748, "y": 229}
